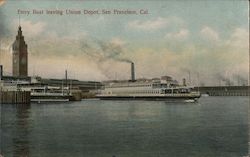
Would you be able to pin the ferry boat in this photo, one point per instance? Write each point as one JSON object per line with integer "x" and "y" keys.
{"x": 148, "y": 90}
{"x": 50, "y": 94}
{"x": 45, "y": 93}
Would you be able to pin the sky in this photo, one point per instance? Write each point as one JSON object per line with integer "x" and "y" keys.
{"x": 207, "y": 39}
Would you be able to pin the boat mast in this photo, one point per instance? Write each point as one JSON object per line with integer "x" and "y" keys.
{"x": 198, "y": 77}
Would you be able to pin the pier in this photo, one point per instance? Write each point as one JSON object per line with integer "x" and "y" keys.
{"x": 14, "y": 97}
{"x": 11, "y": 94}
{"x": 225, "y": 90}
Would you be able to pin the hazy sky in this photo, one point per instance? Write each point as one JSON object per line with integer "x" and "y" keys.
{"x": 209, "y": 39}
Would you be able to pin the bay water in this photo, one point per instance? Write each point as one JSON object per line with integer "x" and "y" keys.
{"x": 212, "y": 127}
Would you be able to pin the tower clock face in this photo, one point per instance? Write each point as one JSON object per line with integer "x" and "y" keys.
{"x": 23, "y": 60}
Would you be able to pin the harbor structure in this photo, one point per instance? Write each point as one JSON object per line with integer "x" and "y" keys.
{"x": 1, "y": 72}
{"x": 225, "y": 90}
{"x": 20, "y": 55}
{"x": 14, "y": 97}
{"x": 11, "y": 94}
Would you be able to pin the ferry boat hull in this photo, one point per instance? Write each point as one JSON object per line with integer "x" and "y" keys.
{"x": 152, "y": 98}
{"x": 50, "y": 98}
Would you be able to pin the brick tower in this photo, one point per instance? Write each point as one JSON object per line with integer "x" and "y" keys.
{"x": 20, "y": 56}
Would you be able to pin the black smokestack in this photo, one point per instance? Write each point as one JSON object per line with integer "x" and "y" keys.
{"x": 132, "y": 71}
{"x": 1, "y": 72}
{"x": 184, "y": 82}
{"x": 66, "y": 78}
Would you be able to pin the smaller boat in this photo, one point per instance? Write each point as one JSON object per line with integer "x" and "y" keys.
{"x": 45, "y": 93}
{"x": 205, "y": 95}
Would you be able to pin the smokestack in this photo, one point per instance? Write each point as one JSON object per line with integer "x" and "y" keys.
{"x": 184, "y": 82}
{"x": 132, "y": 72}
{"x": 66, "y": 78}
{"x": 1, "y": 72}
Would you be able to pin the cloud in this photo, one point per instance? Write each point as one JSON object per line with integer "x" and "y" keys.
{"x": 2, "y": 2}
{"x": 239, "y": 39}
{"x": 79, "y": 67}
{"x": 209, "y": 34}
{"x": 148, "y": 25}
{"x": 182, "y": 34}
{"x": 30, "y": 28}
{"x": 117, "y": 41}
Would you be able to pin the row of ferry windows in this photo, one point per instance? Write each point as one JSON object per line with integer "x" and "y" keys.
{"x": 130, "y": 86}
{"x": 138, "y": 92}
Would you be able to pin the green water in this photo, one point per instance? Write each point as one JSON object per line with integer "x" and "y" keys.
{"x": 213, "y": 127}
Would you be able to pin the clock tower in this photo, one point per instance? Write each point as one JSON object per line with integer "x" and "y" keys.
{"x": 20, "y": 56}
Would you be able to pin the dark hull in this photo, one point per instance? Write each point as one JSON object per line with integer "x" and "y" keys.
{"x": 46, "y": 98}
{"x": 152, "y": 98}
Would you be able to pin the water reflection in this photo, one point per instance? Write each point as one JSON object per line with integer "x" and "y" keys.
{"x": 15, "y": 130}
{"x": 21, "y": 138}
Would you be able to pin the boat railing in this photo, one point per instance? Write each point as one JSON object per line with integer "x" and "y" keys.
{"x": 49, "y": 94}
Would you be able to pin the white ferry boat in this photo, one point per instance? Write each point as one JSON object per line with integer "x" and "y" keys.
{"x": 45, "y": 93}
{"x": 50, "y": 94}
{"x": 148, "y": 90}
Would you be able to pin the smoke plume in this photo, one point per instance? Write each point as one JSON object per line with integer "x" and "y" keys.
{"x": 104, "y": 51}
{"x": 239, "y": 80}
{"x": 223, "y": 80}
